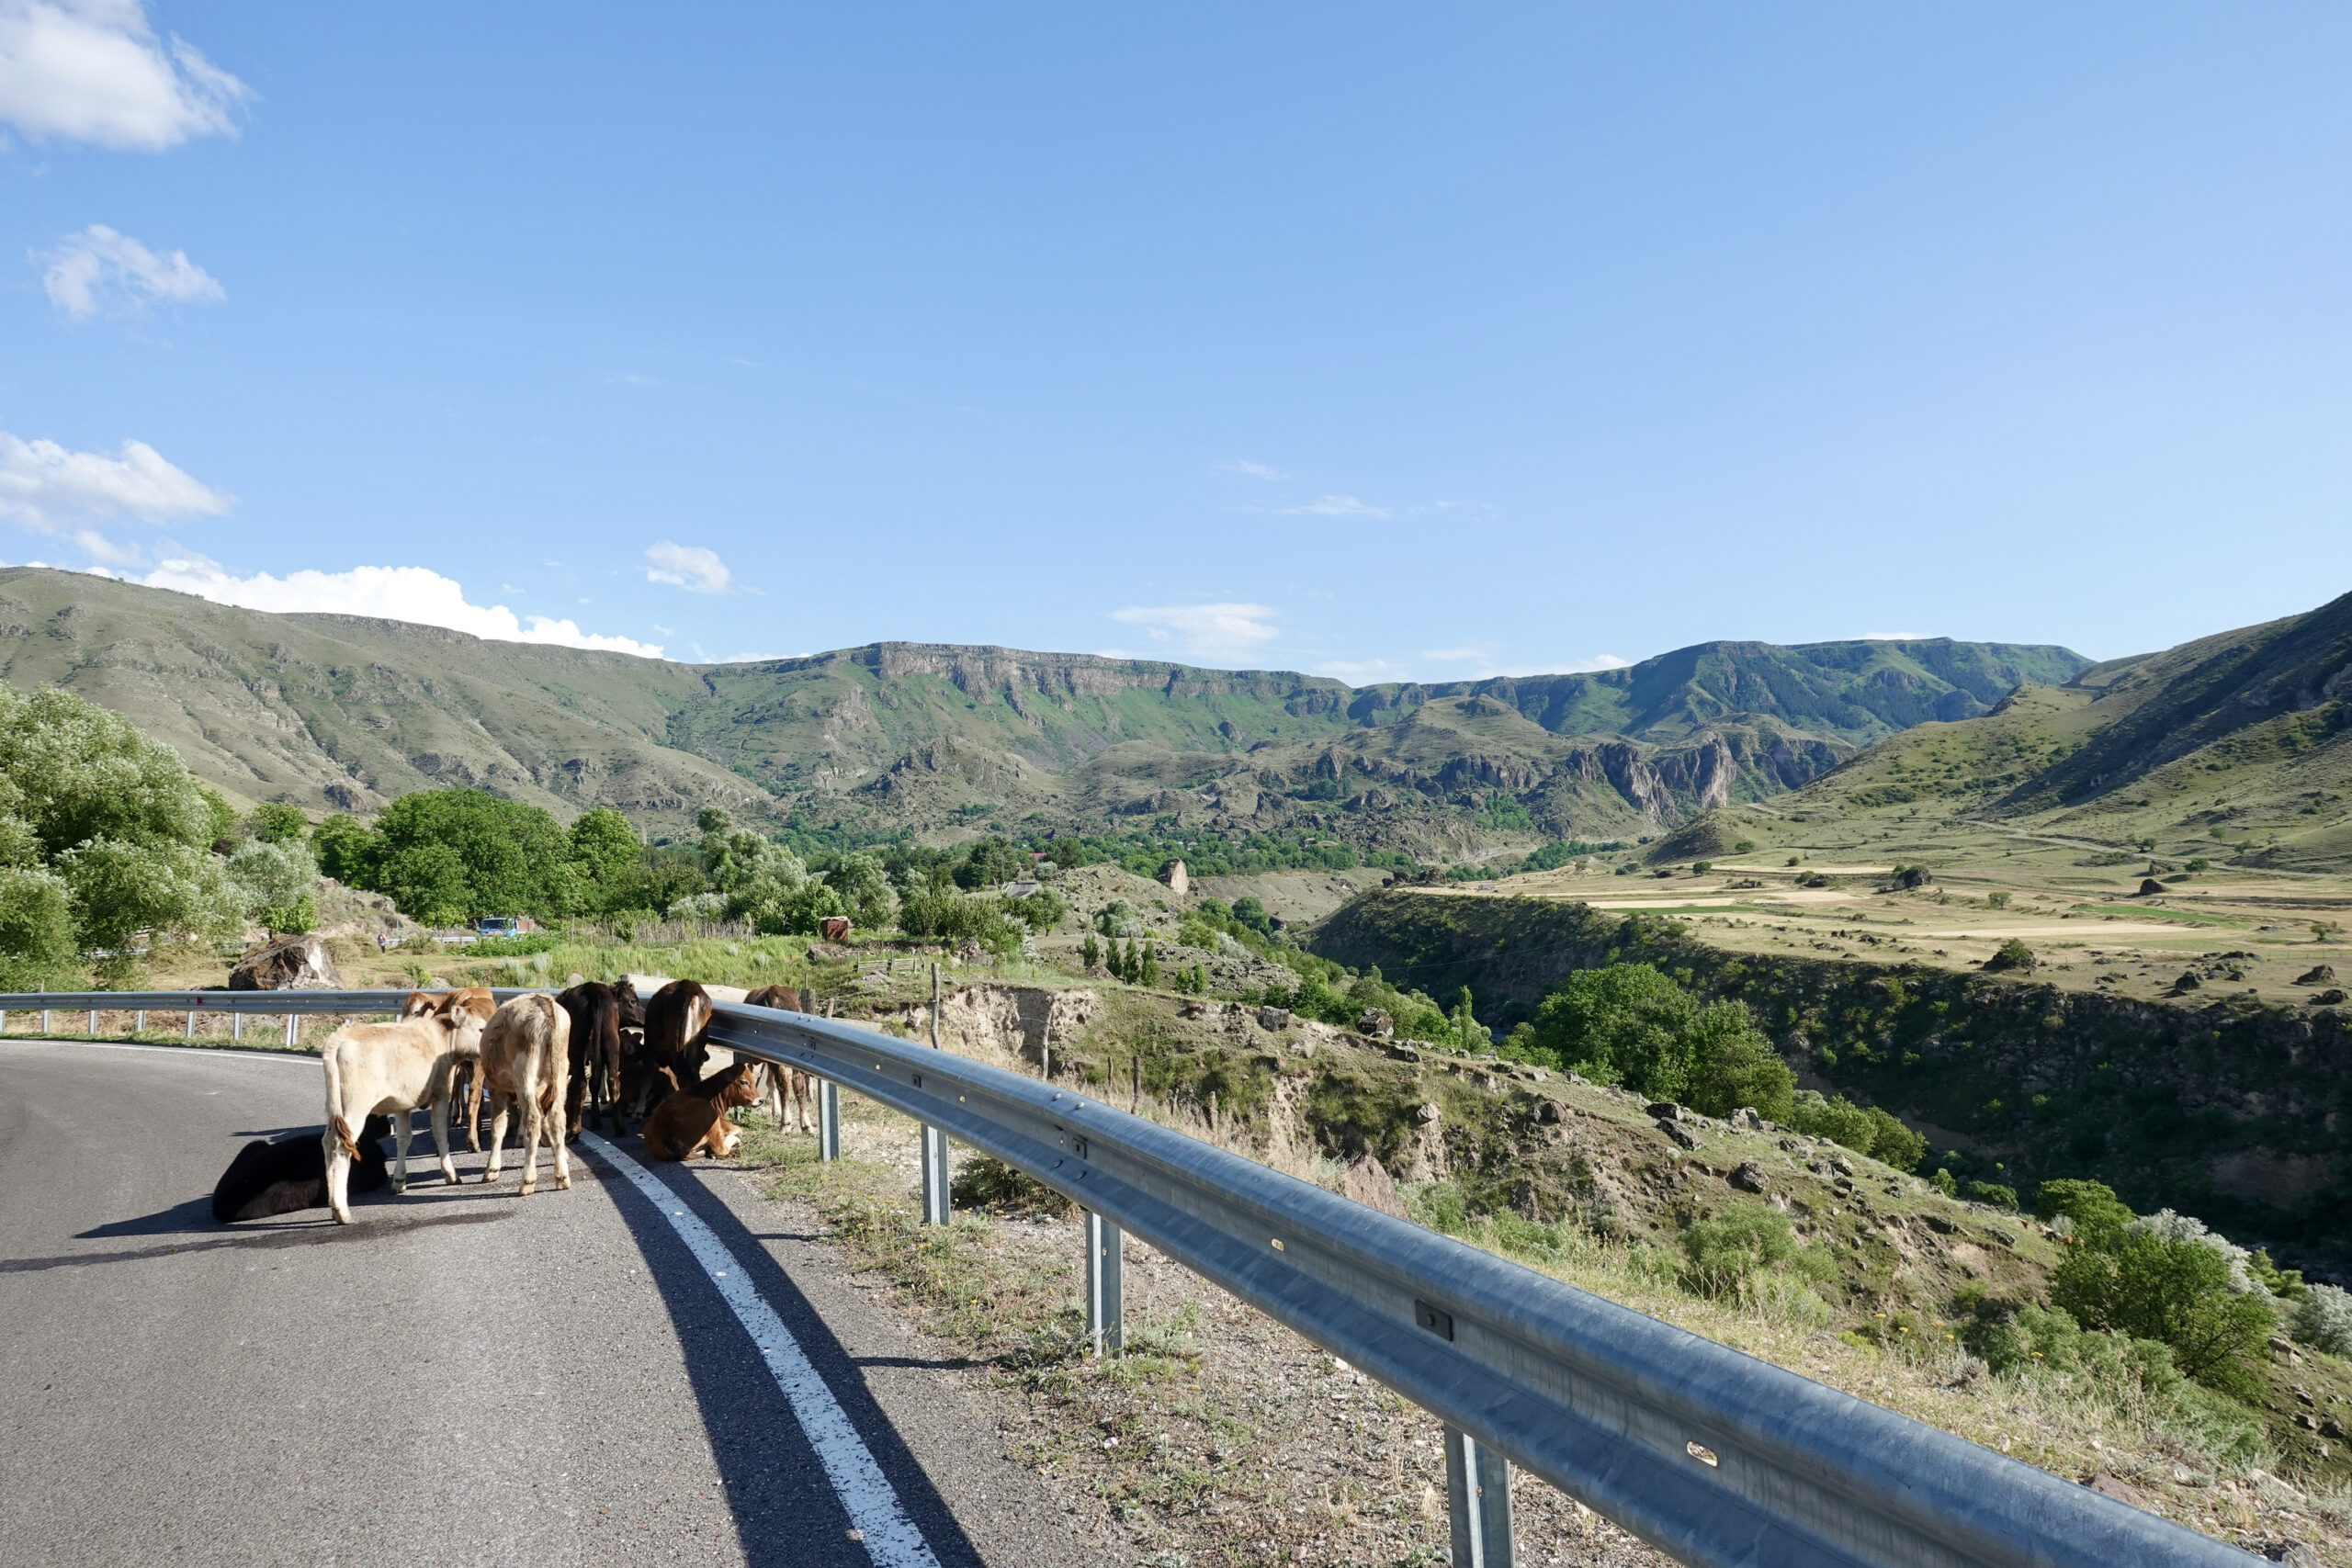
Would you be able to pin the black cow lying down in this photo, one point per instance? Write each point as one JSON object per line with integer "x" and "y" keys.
{"x": 278, "y": 1176}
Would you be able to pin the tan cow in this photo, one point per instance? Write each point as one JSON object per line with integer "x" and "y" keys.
{"x": 526, "y": 1061}
{"x": 389, "y": 1069}
{"x": 464, "y": 1088}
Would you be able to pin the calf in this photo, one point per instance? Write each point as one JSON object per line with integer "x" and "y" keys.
{"x": 596, "y": 1014}
{"x": 278, "y": 1176}
{"x": 786, "y": 1084}
{"x": 463, "y": 1090}
{"x": 694, "y": 1120}
{"x": 525, "y": 1057}
{"x": 391, "y": 1070}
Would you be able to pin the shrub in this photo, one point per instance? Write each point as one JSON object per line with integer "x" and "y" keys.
{"x": 1040, "y": 911}
{"x": 2096, "y": 1214}
{"x": 1945, "y": 1183}
{"x": 2012, "y": 954}
{"x": 2323, "y": 1320}
{"x": 274, "y": 822}
{"x": 36, "y": 930}
{"x": 1722, "y": 1253}
{"x": 986, "y": 1182}
{"x": 1866, "y": 1130}
{"x": 1628, "y": 1023}
{"x": 1994, "y": 1193}
{"x": 2175, "y": 1291}
{"x": 1745, "y": 846}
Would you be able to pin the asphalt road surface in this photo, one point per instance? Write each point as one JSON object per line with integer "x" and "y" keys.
{"x": 640, "y": 1370}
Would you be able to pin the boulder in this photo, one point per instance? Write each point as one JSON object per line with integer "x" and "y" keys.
{"x": 292, "y": 963}
{"x": 2318, "y": 975}
{"x": 1367, "y": 1181}
{"x": 2329, "y": 999}
{"x": 834, "y": 928}
{"x": 2149, "y": 887}
{"x": 1426, "y": 1112}
{"x": 1551, "y": 1113}
{"x": 1676, "y": 1132}
{"x": 2187, "y": 981}
{"x": 1376, "y": 1022}
{"x": 1666, "y": 1110}
{"x": 1749, "y": 1118}
{"x": 1750, "y": 1177}
{"x": 1273, "y": 1018}
{"x": 1179, "y": 880}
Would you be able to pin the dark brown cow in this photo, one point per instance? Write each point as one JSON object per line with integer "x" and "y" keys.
{"x": 786, "y": 1086}
{"x": 677, "y": 1027}
{"x": 693, "y": 1120}
{"x": 596, "y": 1080}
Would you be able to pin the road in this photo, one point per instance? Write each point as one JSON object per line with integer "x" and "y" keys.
{"x": 460, "y": 1377}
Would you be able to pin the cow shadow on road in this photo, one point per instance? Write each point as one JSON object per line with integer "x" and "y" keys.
{"x": 787, "y": 1513}
{"x": 321, "y": 1231}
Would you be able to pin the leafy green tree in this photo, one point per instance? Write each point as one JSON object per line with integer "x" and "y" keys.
{"x": 755, "y": 874}
{"x": 2177, "y": 1292}
{"x": 992, "y": 862}
{"x": 1248, "y": 911}
{"x": 1150, "y": 968}
{"x": 1041, "y": 911}
{"x": 90, "y": 806}
{"x": 610, "y": 861}
{"x": 865, "y": 889}
{"x": 1064, "y": 853}
{"x": 277, "y": 880}
{"x": 1628, "y": 1023}
{"x": 457, "y": 854}
{"x": 1200, "y": 981}
{"x": 798, "y": 912}
{"x": 1731, "y": 1066}
{"x": 1089, "y": 953}
{"x": 2013, "y": 954}
{"x": 348, "y": 851}
{"x": 1945, "y": 1182}
{"x": 274, "y": 822}
{"x": 1468, "y": 1032}
{"x": 2095, "y": 1215}
{"x": 37, "y": 944}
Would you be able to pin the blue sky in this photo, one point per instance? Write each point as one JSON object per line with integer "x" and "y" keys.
{"x": 1376, "y": 341}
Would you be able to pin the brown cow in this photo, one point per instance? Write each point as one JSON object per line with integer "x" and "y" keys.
{"x": 596, "y": 1014}
{"x": 677, "y": 1025}
{"x": 786, "y": 1085}
{"x": 694, "y": 1120}
{"x": 834, "y": 928}
{"x": 525, "y": 1057}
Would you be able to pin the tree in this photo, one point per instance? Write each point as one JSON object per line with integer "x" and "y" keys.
{"x": 604, "y": 848}
{"x": 2013, "y": 954}
{"x": 2095, "y": 1215}
{"x": 1091, "y": 953}
{"x": 347, "y": 851}
{"x": 1732, "y": 1064}
{"x": 274, "y": 822}
{"x": 1151, "y": 974}
{"x": 276, "y": 881}
{"x": 93, "y": 811}
{"x": 2174, "y": 1290}
{"x": 1251, "y": 913}
{"x": 450, "y": 855}
{"x": 991, "y": 863}
{"x": 864, "y": 890}
{"x": 756, "y": 874}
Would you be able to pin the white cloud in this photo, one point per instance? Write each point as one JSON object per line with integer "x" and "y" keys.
{"x": 413, "y": 593}
{"x": 1209, "y": 633}
{"x": 94, "y": 71}
{"x": 1896, "y": 637}
{"x": 690, "y": 567}
{"x": 1255, "y": 470}
{"x": 41, "y": 483}
{"x": 99, "y": 269}
{"x": 1333, "y": 506}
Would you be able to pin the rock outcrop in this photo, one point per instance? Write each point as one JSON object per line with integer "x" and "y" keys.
{"x": 293, "y": 963}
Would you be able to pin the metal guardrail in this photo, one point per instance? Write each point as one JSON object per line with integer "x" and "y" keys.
{"x": 1718, "y": 1459}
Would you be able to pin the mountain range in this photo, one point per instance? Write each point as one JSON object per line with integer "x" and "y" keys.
{"x": 338, "y": 712}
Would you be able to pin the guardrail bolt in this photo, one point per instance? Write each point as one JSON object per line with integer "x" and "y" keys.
{"x": 1105, "y": 1314}
{"x": 828, "y": 1120}
{"x": 1477, "y": 1495}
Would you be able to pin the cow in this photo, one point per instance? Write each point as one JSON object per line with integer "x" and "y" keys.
{"x": 834, "y": 928}
{"x": 391, "y": 1070}
{"x": 525, "y": 1059}
{"x": 278, "y": 1176}
{"x": 677, "y": 1024}
{"x": 595, "y": 1015}
{"x": 786, "y": 1084}
{"x": 694, "y": 1120}
{"x": 464, "y": 1087}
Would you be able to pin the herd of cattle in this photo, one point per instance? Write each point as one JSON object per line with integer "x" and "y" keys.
{"x": 554, "y": 1063}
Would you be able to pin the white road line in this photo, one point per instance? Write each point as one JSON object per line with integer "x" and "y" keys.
{"x": 892, "y": 1537}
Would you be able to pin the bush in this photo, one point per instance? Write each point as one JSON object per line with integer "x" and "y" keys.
{"x": 2012, "y": 954}
{"x": 1994, "y": 1193}
{"x": 986, "y": 1182}
{"x": 954, "y": 917}
{"x": 347, "y": 851}
{"x": 2175, "y": 1292}
{"x": 37, "y": 950}
{"x": 1866, "y": 1130}
{"x": 1944, "y": 1182}
{"x": 2095, "y": 1215}
{"x": 2323, "y": 1320}
{"x": 274, "y": 822}
{"x": 1041, "y": 911}
{"x": 1723, "y": 1253}
{"x": 1628, "y": 1023}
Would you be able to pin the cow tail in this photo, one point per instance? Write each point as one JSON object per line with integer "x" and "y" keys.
{"x": 334, "y": 1102}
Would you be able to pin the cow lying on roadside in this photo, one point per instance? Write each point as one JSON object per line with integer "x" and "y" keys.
{"x": 786, "y": 1084}
{"x": 526, "y": 1058}
{"x": 391, "y": 1070}
{"x": 693, "y": 1120}
{"x": 278, "y": 1176}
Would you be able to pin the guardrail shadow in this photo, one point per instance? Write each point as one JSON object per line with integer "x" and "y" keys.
{"x": 785, "y": 1511}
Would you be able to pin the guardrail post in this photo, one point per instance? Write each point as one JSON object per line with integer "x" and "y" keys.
{"x": 44, "y": 1021}
{"x": 191, "y": 1023}
{"x": 935, "y": 1139}
{"x": 1477, "y": 1495}
{"x": 828, "y": 1120}
{"x": 139, "y": 1021}
{"x": 290, "y": 1031}
{"x": 1106, "y": 1317}
{"x": 93, "y": 1023}
{"x": 236, "y": 1026}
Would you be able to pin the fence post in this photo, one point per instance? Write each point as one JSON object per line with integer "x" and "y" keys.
{"x": 828, "y": 1120}
{"x": 935, "y": 1139}
{"x": 1477, "y": 1495}
{"x": 1105, "y": 1314}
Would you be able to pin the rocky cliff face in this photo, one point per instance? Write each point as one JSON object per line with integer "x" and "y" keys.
{"x": 2234, "y": 1111}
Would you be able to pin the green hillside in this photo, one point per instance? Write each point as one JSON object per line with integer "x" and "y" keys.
{"x": 342, "y": 712}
